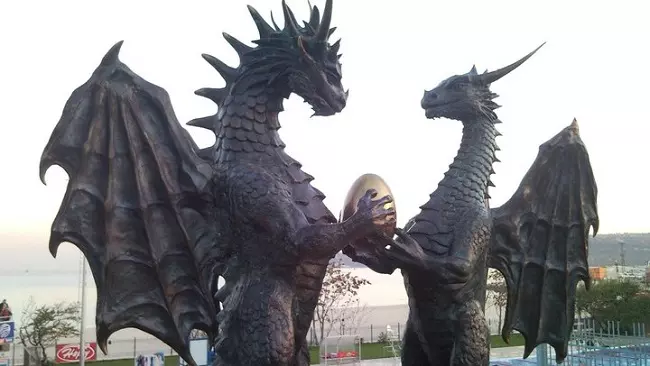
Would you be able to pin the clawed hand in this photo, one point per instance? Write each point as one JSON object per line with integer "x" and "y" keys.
{"x": 370, "y": 254}
{"x": 375, "y": 211}
{"x": 405, "y": 251}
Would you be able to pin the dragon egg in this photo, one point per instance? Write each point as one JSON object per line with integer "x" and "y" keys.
{"x": 359, "y": 188}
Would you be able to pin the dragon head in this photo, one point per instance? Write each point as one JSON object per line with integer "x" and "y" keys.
{"x": 292, "y": 59}
{"x": 464, "y": 97}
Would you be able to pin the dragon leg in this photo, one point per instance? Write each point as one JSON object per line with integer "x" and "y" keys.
{"x": 412, "y": 352}
{"x": 472, "y": 340}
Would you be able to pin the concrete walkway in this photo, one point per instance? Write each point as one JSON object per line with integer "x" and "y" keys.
{"x": 510, "y": 352}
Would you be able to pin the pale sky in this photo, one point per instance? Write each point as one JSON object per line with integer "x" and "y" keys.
{"x": 593, "y": 67}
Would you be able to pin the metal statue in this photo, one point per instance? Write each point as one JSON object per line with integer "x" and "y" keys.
{"x": 159, "y": 219}
{"x": 537, "y": 240}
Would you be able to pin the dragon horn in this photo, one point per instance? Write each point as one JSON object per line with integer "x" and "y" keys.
{"x": 263, "y": 27}
{"x": 112, "y": 56}
{"x": 275, "y": 25}
{"x": 324, "y": 28}
{"x": 490, "y": 77}
{"x": 314, "y": 18}
{"x": 289, "y": 19}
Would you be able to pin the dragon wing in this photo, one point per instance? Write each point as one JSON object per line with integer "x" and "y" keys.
{"x": 540, "y": 242}
{"x": 137, "y": 205}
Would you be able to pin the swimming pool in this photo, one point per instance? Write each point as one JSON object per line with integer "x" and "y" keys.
{"x": 622, "y": 356}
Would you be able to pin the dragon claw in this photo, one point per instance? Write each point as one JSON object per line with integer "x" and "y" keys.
{"x": 371, "y": 193}
{"x": 374, "y": 213}
{"x": 404, "y": 249}
{"x": 384, "y": 200}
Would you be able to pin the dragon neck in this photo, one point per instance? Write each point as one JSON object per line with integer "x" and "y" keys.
{"x": 247, "y": 125}
{"x": 471, "y": 169}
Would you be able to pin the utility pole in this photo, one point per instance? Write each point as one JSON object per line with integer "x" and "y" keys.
{"x": 82, "y": 326}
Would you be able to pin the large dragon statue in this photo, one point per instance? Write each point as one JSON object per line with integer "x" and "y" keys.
{"x": 160, "y": 220}
{"x": 538, "y": 239}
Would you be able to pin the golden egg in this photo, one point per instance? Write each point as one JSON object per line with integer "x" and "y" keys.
{"x": 359, "y": 188}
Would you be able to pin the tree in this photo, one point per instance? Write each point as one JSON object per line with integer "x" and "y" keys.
{"x": 197, "y": 334}
{"x": 337, "y": 297}
{"x": 622, "y": 301}
{"x": 498, "y": 292}
{"x": 349, "y": 317}
{"x": 43, "y": 325}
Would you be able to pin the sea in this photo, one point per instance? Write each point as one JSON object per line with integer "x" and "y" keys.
{"x": 48, "y": 286}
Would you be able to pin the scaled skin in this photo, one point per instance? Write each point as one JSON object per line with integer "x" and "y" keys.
{"x": 538, "y": 239}
{"x": 160, "y": 219}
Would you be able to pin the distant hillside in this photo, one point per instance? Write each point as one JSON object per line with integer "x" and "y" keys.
{"x": 604, "y": 250}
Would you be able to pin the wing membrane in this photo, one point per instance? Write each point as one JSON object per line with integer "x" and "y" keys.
{"x": 138, "y": 205}
{"x": 540, "y": 242}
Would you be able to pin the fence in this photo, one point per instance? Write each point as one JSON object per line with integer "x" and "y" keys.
{"x": 597, "y": 344}
{"x": 373, "y": 332}
{"x": 124, "y": 348}
{"x": 117, "y": 349}
{"x": 591, "y": 344}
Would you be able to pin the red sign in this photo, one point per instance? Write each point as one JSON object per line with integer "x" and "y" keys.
{"x": 70, "y": 352}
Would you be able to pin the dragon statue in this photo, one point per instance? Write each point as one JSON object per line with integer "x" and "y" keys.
{"x": 538, "y": 239}
{"x": 160, "y": 220}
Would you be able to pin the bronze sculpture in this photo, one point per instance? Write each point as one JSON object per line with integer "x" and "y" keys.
{"x": 538, "y": 239}
{"x": 159, "y": 219}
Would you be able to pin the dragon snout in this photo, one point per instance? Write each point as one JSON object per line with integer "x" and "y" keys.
{"x": 340, "y": 100}
{"x": 428, "y": 99}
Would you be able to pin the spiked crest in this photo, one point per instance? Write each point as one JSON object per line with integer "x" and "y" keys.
{"x": 275, "y": 47}
{"x": 314, "y": 35}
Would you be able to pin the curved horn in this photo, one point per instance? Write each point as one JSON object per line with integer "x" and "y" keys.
{"x": 275, "y": 25}
{"x": 495, "y": 75}
{"x": 263, "y": 27}
{"x": 324, "y": 28}
{"x": 112, "y": 56}
{"x": 289, "y": 19}
{"x": 314, "y": 17}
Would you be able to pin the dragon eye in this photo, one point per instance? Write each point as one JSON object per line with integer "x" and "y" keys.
{"x": 332, "y": 74}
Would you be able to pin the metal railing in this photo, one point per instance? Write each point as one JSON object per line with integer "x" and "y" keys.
{"x": 371, "y": 333}
{"x": 598, "y": 344}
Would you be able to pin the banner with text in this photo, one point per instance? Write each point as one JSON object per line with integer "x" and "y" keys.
{"x": 70, "y": 352}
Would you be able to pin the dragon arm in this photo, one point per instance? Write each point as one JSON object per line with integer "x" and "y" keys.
{"x": 406, "y": 253}
{"x": 138, "y": 206}
{"x": 450, "y": 270}
{"x": 325, "y": 240}
{"x": 540, "y": 241}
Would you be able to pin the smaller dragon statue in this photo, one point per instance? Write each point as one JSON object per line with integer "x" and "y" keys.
{"x": 160, "y": 220}
{"x": 538, "y": 239}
